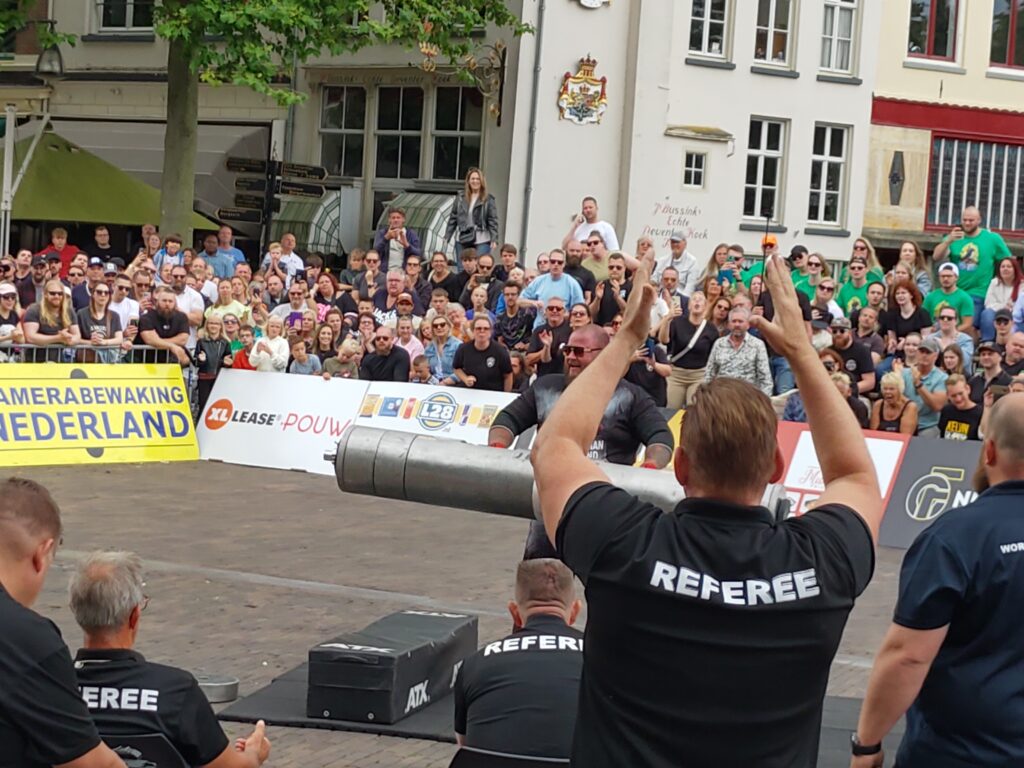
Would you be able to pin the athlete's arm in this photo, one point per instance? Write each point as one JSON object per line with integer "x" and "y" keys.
{"x": 842, "y": 452}
{"x": 514, "y": 419}
{"x": 100, "y": 756}
{"x": 560, "y": 463}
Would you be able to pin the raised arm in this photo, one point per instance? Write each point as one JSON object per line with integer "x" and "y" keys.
{"x": 846, "y": 466}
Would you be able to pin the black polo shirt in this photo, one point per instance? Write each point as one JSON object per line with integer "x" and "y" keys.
{"x": 393, "y": 366}
{"x": 559, "y": 338}
{"x": 710, "y": 629}
{"x": 129, "y": 696}
{"x": 43, "y": 722}
{"x": 518, "y": 695}
{"x": 857, "y": 361}
{"x": 489, "y": 366}
{"x": 979, "y": 384}
{"x": 966, "y": 571}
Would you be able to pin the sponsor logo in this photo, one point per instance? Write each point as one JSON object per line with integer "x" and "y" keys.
{"x": 223, "y": 412}
{"x": 933, "y": 494}
{"x": 219, "y": 414}
{"x": 435, "y": 413}
{"x": 417, "y": 697}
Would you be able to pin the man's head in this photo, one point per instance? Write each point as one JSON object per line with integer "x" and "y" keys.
{"x": 958, "y": 391}
{"x": 508, "y": 255}
{"x": 178, "y": 277}
{"x": 147, "y": 230}
{"x": 841, "y": 333}
{"x": 481, "y": 331}
{"x": 556, "y": 259}
{"x": 544, "y": 586}
{"x": 210, "y": 244}
{"x": 53, "y": 263}
{"x": 677, "y": 243}
{"x": 413, "y": 268}
{"x": 383, "y": 339}
{"x": 296, "y": 296}
{"x": 739, "y": 322}
{"x": 582, "y": 349}
{"x": 949, "y": 273}
{"x": 595, "y": 245}
{"x": 729, "y": 418}
{"x": 198, "y": 267}
{"x": 275, "y": 285}
{"x": 1003, "y": 320}
{"x": 76, "y": 276}
{"x": 107, "y": 599}
{"x": 225, "y": 235}
{"x": 1015, "y": 348}
{"x": 858, "y": 269}
{"x": 484, "y": 267}
{"x": 23, "y": 258}
{"x": 101, "y": 236}
{"x": 876, "y": 295}
{"x": 288, "y": 243}
{"x": 244, "y": 271}
{"x": 554, "y": 312}
{"x": 970, "y": 220}
{"x": 298, "y": 349}
{"x": 511, "y": 294}
{"x": 59, "y": 237}
{"x": 40, "y": 269}
{"x": 867, "y": 321}
{"x": 670, "y": 279}
{"x": 439, "y": 300}
{"x": 395, "y": 281}
{"x": 589, "y": 209}
{"x": 1003, "y": 449}
{"x": 30, "y": 531}
{"x": 247, "y": 336}
{"x": 166, "y": 302}
{"x": 988, "y": 358}
{"x": 468, "y": 258}
{"x": 396, "y": 218}
{"x": 928, "y": 352}
{"x": 947, "y": 318}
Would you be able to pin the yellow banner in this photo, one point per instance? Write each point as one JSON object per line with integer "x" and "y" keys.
{"x": 93, "y": 414}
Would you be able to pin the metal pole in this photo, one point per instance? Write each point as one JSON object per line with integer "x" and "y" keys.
{"x": 7, "y": 199}
{"x": 31, "y": 150}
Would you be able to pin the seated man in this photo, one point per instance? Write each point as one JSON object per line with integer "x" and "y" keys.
{"x": 518, "y": 695}
{"x": 127, "y": 695}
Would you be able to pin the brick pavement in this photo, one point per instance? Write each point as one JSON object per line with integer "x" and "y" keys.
{"x": 248, "y": 568}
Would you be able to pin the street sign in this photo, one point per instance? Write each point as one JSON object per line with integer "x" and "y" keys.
{"x": 296, "y": 171}
{"x": 240, "y": 214}
{"x": 257, "y": 202}
{"x": 250, "y": 184}
{"x": 299, "y": 189}
{"x": 246, "y": 165}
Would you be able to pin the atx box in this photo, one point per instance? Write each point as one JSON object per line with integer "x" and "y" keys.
{"x": 394, "y": 667}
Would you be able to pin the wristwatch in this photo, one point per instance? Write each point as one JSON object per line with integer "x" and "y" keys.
{"x": 863, "y": 750}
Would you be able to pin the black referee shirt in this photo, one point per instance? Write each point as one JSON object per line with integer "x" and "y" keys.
{"x": 518, "y": 695}
{"x": 710, "y": 629}
{"x": 43, "y": 722}
{"x": 127, "y": 695}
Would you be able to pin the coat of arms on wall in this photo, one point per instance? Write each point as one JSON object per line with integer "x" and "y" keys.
{"x": 583, "y": 98}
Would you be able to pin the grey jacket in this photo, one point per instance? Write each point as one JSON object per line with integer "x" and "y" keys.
{"x": 484, "y": 216}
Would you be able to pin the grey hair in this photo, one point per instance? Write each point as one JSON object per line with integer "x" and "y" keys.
{"x": 739, "y": 311}
{"x": 104, "y": 590}
{"x": 398, "y": 271}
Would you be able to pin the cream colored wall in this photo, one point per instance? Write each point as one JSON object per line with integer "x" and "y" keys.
{"x": 916, "y": 147}
{"x": 149, "y": 101}
{"x": 968, "y": 81}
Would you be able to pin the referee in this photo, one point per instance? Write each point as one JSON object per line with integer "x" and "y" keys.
{"x": 954, "y": 654}
{"x": 710, "y": 627}
{"x": 43, "y": 720}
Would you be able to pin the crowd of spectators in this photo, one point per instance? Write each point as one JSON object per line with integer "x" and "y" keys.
{"x": 490, "y": 321}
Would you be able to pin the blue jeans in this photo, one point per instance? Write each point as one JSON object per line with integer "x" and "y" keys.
{"x": 782, "y": 375}
{"x": 988, "y": 324}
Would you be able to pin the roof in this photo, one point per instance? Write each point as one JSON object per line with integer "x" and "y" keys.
{"x": 64, "y": 182}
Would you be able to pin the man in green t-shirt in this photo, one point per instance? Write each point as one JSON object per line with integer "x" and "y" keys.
{"x": 950, "y": 295}
{"x": 854, "y": 292}
{"x": 975, "y": 250}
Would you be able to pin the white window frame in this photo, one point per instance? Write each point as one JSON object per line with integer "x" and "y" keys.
{"x": 831, "y": 38}
{"x": 460, "y": 134}
{"x": 706, "y": 20}
{"x": 771, "y": 31}
{"x": 761, "y": 153}
{"x": 696, "y": 170}
{"x": 825, "y": 162}
{"x": 129, "y": 26}
{"x": 322, "y": 130}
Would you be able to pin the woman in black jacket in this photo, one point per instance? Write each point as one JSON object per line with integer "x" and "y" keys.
{"x": 213, "y": 351}
{"x": 474, "y": 217}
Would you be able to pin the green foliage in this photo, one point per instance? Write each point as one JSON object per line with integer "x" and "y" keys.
{"x": 14, "y": 17}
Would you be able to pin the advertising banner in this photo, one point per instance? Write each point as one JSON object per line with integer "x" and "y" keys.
{"x": 94, "y": 414}
{"x": 277, "y": 420}
{"x": 452, "y": 412}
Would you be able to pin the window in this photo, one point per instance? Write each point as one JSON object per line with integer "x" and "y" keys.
{"x": 764, "y": 169}
{"x": 985, "y": 174}
{"x": 773, "y": 23}
{"x": 828, "y": 171}
{"x": 342, "y": 123}
{"x": 399, "y": 129}
{"x": 932, "y": 28}
{"x": 837, "y": 35}
{"x": 1008, "y": 33}
{"x": 693, "y": 169}
{"x": 707, "y": 27}
{"x": 125, "y": 14}
{"x": 458, "y": 123}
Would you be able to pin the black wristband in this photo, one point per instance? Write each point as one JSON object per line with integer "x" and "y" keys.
{"x": 863, "y": 750}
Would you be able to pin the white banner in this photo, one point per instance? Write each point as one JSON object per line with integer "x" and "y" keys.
{"x": 453, "y": 412}
{"x": 277, "y": 420}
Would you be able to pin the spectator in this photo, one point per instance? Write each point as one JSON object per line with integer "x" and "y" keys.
{"x": 555, "y": 284}
{"x": 474, "y": 216}
{"x": 769, "y": 249}
{"x": 610, "y": 295}
{"x": 191, "y": 302}
{"x": 275, "y": 293}
{"x": 579, "y": 316}
{"x": 59, "y": 244}
{"x": 975, "y": 250}
{"x": 302, "y": 362}
{"x": 51, "y": 323}
{"x": 1013, "y": 360}
{"x": 76, "y": 276}
{"x": 722, "y": 266}
{"x": 649, "y": 369}
{"x": 53, "y": 265}
{"x": 213, "y": 352}
{"x": 518, "y": 695}
{"x": 949, "y": 295}
{"x": 386, "y": 363}
{"x": 93, "y": 277}
{"x": 372, "y": 279}
{"x": 817, "y": 270}
{"x": 367, "y": 329}
{"x": 520, "y": 372}
{"x": 689, "y": 338}
{"x": 457, "y": 317}
{"x": 415, "y": 282}
{"x": 421, "y": 372}
{"x": 718, "y": 314}
{"x": 101, "y": 244}
{"x": 241, "y": 359}
{"x": 671, "y": 291}
{"x": 483, "y": 363}
{"x": 226, "y": 303}
{"x": 226, "y": 244}
{"x": 483, "y": 278}
{"x": 394, "y": 240}
{"x": 355, "y": 267}
{"x": 866, "y": 333}
{"x": 740, "y": 355}
{"x": 904, "y": 316}
{"x": 894, "y": 412}
{"x": 10, "y": 315}
{"x": 586, "y": 222}
{"x": 794, "y": 408}
{"x": 514, "y": 323}
{"x": 824, "y": 309}
{"x": 478, "y": 306}
{"x": 856, "y": 356}
{"x": 990, "y": 371}
{"x": 285, "y": 263}
{"x": 171, "y": 253}
{"x": 298, "y": 302}
{"x": 107, "y": 601}
{"x": 925, "y": 384}
{"x": 441, "y": 276}
{"x": 960, "y": 417}
{"x": 508, "y": 257}
{"x": 854, "y": 292}
{"x": 385, "y": 303}
{"x": 325, "y": 343}
{"x": 1005, "y": 323}
{"x": 205, "y": 284}
{"x": 165, "y": 327}
{"x": 406, "y": 338}
{"x": 328, "y": 294}
{"x": 441, "y": 350}
{"x": 681, "y": 260}
{"x": 1003, "y": 293}
{"x": 863, "y": 249}
{"x": 345, "y": 365}
{"x": 101, "y": 329}
{"x": 545, "y": 350}
{"x": 913, "y": 258}
{"x": 32, "y": 288}
{"x": 841, "y": 380}
{"x": 222, "y": 264}
{"x": 270, "y": 353}
{"x": 543, "y": 264}
{"x": 594, "y": 252}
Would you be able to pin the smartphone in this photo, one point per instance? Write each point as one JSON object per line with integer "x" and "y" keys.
{"x": 300, "y": 275}
{"x": 998, "y": 391}
{"x": 676, "y": 302}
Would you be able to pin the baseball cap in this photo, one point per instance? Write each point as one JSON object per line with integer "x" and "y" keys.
{"x": 52, "y": 256}
{"x": 930, "y": 345}
{"x": 404, "y": 296}
{"x": 949, "y": 266}
{"x": 769, "y": 241}
{"x": 1003, "y": 314}
{"x": 38, "y": 261}
{"x": 95, "y": 261}
{"x": 798, "y": 250}
{"x": 110, "y": 268}
{"x": 858, "y": 260}
{"x": 8, "y": 289}
{"x": 842, "y": 322}
{"x": 988, "y": 346}
{"x": 117, "y": 261}
{"x": 677, "y": 237}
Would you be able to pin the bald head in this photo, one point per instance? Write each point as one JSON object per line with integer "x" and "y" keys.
{"x": 544, "y": 583}
{"x": 1005, "y": 457}
{"x": 28, "y": 517}
{"x": 594, "y": 336}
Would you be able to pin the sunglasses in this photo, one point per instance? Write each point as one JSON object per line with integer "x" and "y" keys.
{"x": 593, "y": 242}
{"x": 572, "y": 349}
{"x": 99, "y": 292}
{"x": 813, "y": 263}
{"x": 439, "y": 325}
{"x": 616, "y": 266}
{"x": 947, "y": 317}
{"x": 836, "y": 330}
{"x": 55, "y": 293}
{"x": 7, "y": 296}
{"x": 1002, "y": 321}
{"x": 382, "y": 338}
{"x": 230, "y": 321}
{"x": 616, "y": 323}
{"x": 827, "y": 288}
{"x": 858, "y": 265}
{"x": 577, "y": 314}
{"x": 556, "y": 309}
{"x": 76, "y": 274}
{"x": 860, "y": 247}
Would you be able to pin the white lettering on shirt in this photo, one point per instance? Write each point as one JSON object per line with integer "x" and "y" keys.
{"x": 534, "y": 643}
{"x": 781, "y": 588}
{"x": 129, "y": 699}
{"x": 1012, "y": 548}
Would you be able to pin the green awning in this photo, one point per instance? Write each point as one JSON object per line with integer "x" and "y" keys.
{"x": 65, "y": 183}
